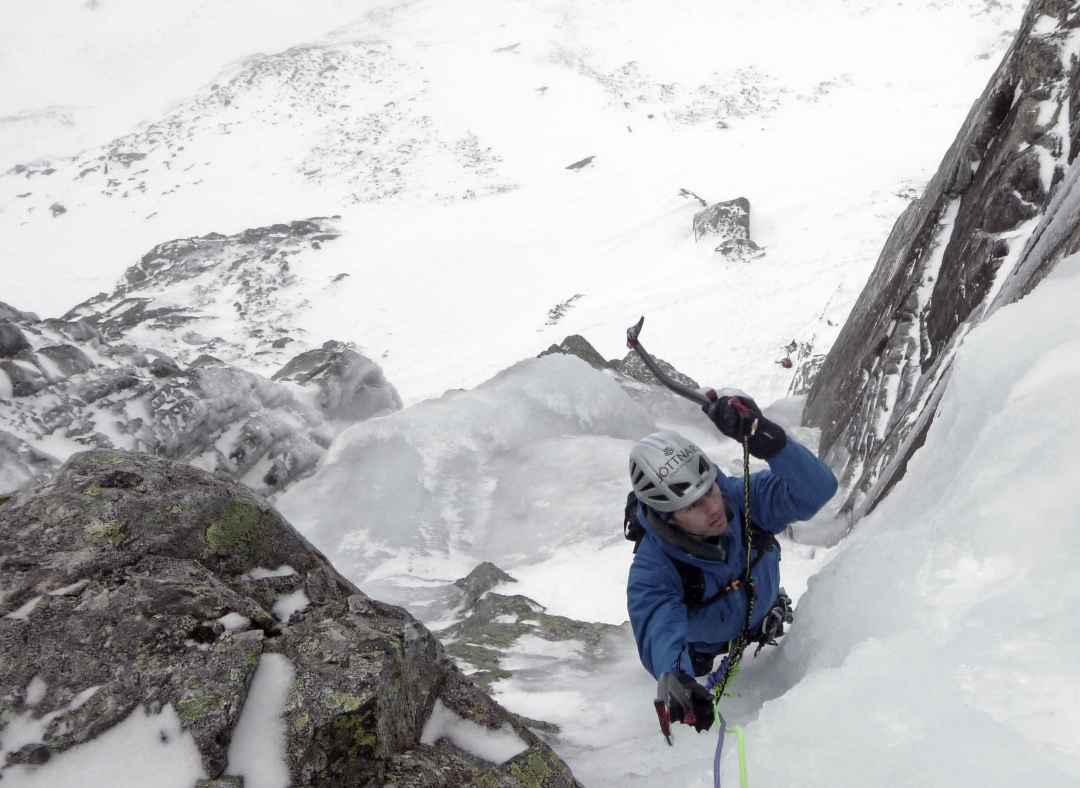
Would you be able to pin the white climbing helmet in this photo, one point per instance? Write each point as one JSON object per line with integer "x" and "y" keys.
{"x": 669, "y": 472}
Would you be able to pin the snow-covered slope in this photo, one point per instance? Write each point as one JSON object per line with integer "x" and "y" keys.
{"x": 933, "y": 648}
{"x": 442, "y": 137}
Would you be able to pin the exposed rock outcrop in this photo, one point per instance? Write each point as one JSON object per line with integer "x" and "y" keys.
{"x": 66, "y": 386}
{"x": 633, "y": 367}
{"x": 130, "y": 583}
{"x": 998, "y": 215}
{"x": 629, "y": 367}
{"x": 491, "y": 623}
{"x": 175, "y": 362}
{"x": 577, "y": 345}
{"x": 728, "y": 224}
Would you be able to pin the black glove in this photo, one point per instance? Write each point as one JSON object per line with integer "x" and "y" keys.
{"x": 701, "y": 701}
{"x": 736, "y": 417}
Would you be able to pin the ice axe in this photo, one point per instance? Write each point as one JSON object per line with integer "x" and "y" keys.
{"x": 672, "y": 695}
{"x": 691, "y": 394}
{"x": 703, "y": 398}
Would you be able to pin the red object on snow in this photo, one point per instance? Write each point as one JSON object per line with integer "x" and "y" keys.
{"x": 785, "y": 363}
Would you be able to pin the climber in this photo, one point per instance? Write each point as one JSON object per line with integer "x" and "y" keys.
{"x": 687, "y": 594}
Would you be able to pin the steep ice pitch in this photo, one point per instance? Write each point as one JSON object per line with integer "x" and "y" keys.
{"x": 937, "y": 648}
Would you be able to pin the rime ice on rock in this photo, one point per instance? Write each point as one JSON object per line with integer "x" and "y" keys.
{"x": 129, "y": 370}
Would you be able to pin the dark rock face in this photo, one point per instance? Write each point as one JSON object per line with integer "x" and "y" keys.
{"x": 577, "y": 345}
{"x": 130, "y": 582}
{"x": 633, "y": 367}
{"x": 730, "y": 223}
{"x": 997, "y": 216}
{"x": 630, "y": 367}
{"x": 12, "y": 341}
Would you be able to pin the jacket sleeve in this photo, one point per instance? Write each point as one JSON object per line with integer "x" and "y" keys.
{"x": 795, "y": 487}
{"x": 654, "y": 600}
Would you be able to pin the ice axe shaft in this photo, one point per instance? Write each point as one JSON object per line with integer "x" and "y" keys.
{"x": 691, "y": 394}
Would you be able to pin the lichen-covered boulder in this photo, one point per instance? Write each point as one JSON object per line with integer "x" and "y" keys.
{"x": 130, "y": 583}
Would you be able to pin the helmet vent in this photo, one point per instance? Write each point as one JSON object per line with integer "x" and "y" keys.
{"x": 680, "y": 488}
{"x": 703, "y": 465}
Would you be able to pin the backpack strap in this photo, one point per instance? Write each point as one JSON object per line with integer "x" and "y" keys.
{"x": 631, "y": 528}
{"x": 693, "y": 578}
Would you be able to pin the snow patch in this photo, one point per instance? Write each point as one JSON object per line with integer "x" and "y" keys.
{"x": 288, "y": 605}
{"x": 23, "y": 613}
{"x": 495, "y": 746}
{"x": 235, "y": 622}
{"x": 259, "y": 573}
{"x": 257, "y": 750}
{"x": 23, "y": 729}
{"x": 35, "y": 691}
{"x": 145, "y": 749}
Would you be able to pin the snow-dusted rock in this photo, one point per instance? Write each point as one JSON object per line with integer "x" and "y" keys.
{"x": 176, "y": 359}
{"x": 68, "y": 396}
{"x": 491, "y": 624}
{"x": 728, "y": 224}
{"x": 131, "y": 582}
{"x": 351, "y": 386}
{"x": 216, "y": 294}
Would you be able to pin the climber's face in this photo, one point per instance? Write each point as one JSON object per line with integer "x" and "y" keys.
{"x": 705, "y": 517}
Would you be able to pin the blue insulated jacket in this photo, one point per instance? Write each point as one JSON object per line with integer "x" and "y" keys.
{"x": 795, "y": 487}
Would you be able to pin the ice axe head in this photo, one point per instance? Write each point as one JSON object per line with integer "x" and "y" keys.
{"x": 632, "y": 333}
{"x": 673, "y": 704}
{"x": 665, "y": 721}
